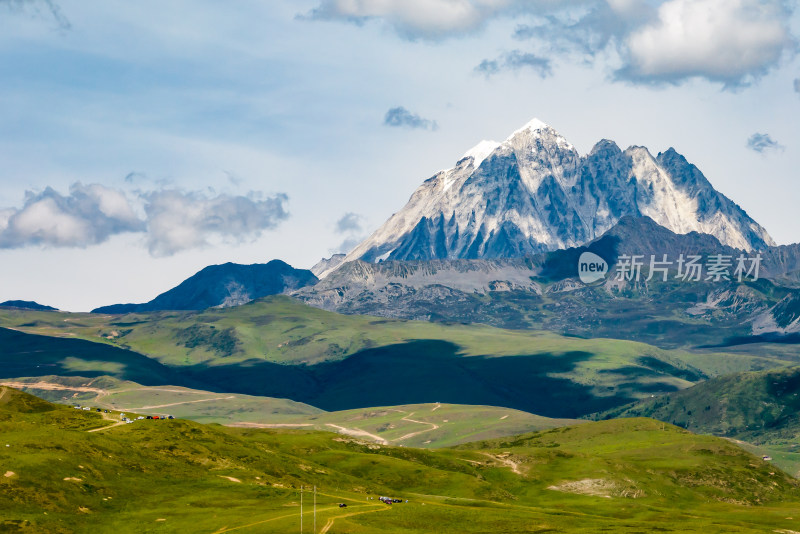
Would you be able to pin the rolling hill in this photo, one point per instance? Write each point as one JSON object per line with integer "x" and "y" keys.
{"x": 176, "y": 476}
{"x": 186, "y": 403}
{"x": 760, "y": 408}
{"x": 427, "y": 426}
{"x": 277, "y": 347}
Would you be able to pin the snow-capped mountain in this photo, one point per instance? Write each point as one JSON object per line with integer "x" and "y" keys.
{"x": 534, "y": 193}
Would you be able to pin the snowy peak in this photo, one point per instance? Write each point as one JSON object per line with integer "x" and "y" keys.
{"x": 534, "y": 125}
{"x": 534, "y": 193}
{"x": 480, "y": 152}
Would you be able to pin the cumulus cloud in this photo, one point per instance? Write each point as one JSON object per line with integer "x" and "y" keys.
{"x": 401, "y": 117}
{"x": 732, "y": 42}
{"x": 797, "y": 85}
{"x": 762, "y": 143}
{"x": 515, "y": 60}
{"x": 601, "y": 25}
{"x": 178, "y": 220}
{"x": 174, "y": 220}
{"x": 349, "y": 222}
{"x": 728, "y": 41}
{"x": 90, "y": 214}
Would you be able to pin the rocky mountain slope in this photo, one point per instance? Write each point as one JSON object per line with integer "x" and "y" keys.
{"x": 534, "y": 193}
{"x": 224, "y": 285}
{"x": 543, "y": 291}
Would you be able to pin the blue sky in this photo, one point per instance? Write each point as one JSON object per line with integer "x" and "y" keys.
{"x": 141, "y": 141}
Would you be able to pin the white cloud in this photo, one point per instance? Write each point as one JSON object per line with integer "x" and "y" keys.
{"x": 175, "y": 220}
{"x": 729, "y": 41}
{"x": 179, "y": 220}
{"x": 659, "y": 41}
{"x": 90, "y": 214}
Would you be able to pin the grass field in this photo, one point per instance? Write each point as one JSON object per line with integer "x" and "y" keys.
{"x": 280, "y": 348}
{"x": 197, "y": 405}
{"x": 634, "y": 475}
{"x": 760, "y": 408}
{"x": 420, "y": 425}
{"x": 429, "y": 425}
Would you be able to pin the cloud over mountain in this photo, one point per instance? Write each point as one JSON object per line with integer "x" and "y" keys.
{"x": 761, "y": 143}
{"x": 174, "y": 220}
{"x": 179, "y": 220}
{"x": 400, "y": 117}
{"x": 349, "y": 222}
{"x": 351, "y": 225}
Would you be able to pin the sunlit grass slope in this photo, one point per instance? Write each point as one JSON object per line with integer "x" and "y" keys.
{"x": 634, "y": 475}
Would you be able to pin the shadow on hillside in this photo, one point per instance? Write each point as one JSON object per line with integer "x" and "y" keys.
{"x": 24, "y": 354}
{"x": 418, "y": 372}
{"x": 408, "y": 373}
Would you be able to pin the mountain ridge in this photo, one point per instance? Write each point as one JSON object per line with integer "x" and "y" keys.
{"x": 534, "y": 193}
{"x": 229, "y": 284}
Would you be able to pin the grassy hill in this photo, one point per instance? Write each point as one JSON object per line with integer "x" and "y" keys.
{"x": 197, "y": 405}
{"x": 757, "y": 407}
{"x": 429, "y": 425}
{"x": 421, "y": 425}
{"x": 633, "y": 475}
{"x": 280, "y": 348}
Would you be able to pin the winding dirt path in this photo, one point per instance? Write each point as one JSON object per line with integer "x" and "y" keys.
{"x": 357, "y": 433}
{"x": 176, "y": 403}
{"x": 433, "y": 426}
{"x": 107, "y": 417}
{"x": 505, "y": 461}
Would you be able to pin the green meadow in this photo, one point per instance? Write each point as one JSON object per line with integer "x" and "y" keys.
{"x": 61, "y": 474}
{"x": 277, "y": 347}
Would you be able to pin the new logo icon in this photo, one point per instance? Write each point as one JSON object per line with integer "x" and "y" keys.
{"x": 591, "y": 268}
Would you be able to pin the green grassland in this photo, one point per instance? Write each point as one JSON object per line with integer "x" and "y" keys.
{"x": 634, "y": 475}
{"x": 430, "y": 425}
{"x": 278, "y": 347}
{"x": 280, "y": 330}
{"x": 126, "y": 396}
{"x": 421, "y": 425}
{"x": 760, "y": 408}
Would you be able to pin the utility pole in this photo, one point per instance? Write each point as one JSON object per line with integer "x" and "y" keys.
{"x": 315, "y": 510}
{"x": 301, "y": 509}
